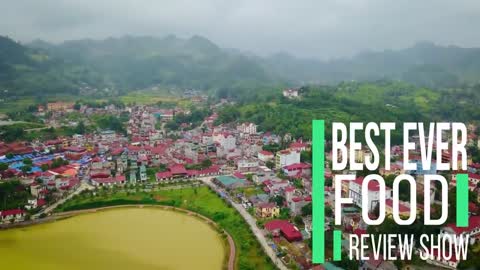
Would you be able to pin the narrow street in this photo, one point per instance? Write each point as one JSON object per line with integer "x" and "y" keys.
{"x": 252, "y": 223}
{"x": 50, "y": 208}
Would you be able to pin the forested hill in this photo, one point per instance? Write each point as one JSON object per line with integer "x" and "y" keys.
{"x": 117, "y": 65}
{"x": 28, "y": 71}
{"x": 139, "y": 62}
{"x": 424, "y": 64}
{"x": 381, "y": 101}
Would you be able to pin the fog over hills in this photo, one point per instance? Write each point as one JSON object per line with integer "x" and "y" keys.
{"x": 135, "y": 62}
{"x": 326, "y": 29}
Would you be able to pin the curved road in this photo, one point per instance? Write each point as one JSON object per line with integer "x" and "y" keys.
{"x": 83, "y": 186}
{"x": 252, "y": 223}
{"x": 207, "y": 180}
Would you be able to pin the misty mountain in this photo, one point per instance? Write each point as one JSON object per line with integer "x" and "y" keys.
{"x": 197, "y": 62}
{"x": 26, "y": 71}
{"x": 129, "y": 63}
{"x": 424, "y": 64}
{"x": 139, "y": 62}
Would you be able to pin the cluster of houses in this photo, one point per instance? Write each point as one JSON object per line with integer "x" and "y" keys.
{"x": 56, "y": 114}
{"x": 233, "y": 155}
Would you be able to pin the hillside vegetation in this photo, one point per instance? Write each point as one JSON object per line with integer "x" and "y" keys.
{"x": 382, "y": 101}
{"x": 115, "y": 66}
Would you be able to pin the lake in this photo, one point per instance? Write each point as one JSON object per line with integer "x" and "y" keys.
{"x": 125, "y": 238}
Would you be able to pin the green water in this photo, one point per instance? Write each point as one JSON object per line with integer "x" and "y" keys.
{"x": 127, "y": 238}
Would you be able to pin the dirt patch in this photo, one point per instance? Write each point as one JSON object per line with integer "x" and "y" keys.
{"x": 160, "y": 198}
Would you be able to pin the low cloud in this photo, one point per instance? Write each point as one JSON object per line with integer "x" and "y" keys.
{"x": 309, "y": 28}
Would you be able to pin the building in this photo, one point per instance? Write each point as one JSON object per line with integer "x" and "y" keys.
{"x": 164, "y": 115}
{"x": 75, "y": 153}
{"x": 133, "y": 176}
{"x": 286, "y": 157}
{"x": 439, "y": 260}
{"x": 361, "y": 155}
{"x": 109, "y": 181}
{"x": 298, "y": 170}
{"x": 143, "y": 173}
{"x": 355, "y": 192}
{"x": 13, "y": 214}
{"x": 176, "y": 171}
{"x": 245, "y": 165}
{"x": 285, "y": 229}
{"x": 298, "y": 146}
{"x": 373, "y": 264}
{"x": 297, "y": 203}
{"x": 225, "y": 140}
{"x": 247, "y": 128}
{"x": 267, "y": 210}
{"x": 420, "y": 170}
{"x": 473, "y": 180}
{"x": 290, "y": 93}
{"x": 230, "y": 182}
{"x": 265, "y": 156}
{"x": 59, "y": 106}
{"x": 275, "y": 186}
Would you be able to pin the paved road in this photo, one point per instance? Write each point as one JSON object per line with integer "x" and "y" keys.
{"x": 83, "y": 186}
{"x": 207, "y": 180}
{"x": 253, "y": 225}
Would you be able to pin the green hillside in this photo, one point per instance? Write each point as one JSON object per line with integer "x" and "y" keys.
{"x": 115, "y": 66}
{"x": 381, "y": 101}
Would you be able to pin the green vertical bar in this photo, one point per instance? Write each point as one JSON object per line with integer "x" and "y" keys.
{"x": 462, "y": 200}
{"x": 318, "y": 205}
{"x": 337, "y": 245}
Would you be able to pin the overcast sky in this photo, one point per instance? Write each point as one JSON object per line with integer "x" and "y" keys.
{"x": 319, "y": 28}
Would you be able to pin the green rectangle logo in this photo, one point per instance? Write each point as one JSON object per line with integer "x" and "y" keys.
{"x": 318, "y": 196}
{"x": 337, "y": 245}
{"x": 462, "y": 200}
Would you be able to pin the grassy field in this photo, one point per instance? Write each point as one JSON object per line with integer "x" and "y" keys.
{"x": 148, "y": 96}
{"x": 201, "y": 200}
{"x": 142, "y": 97}
{"x": 16, "y": 105}
{"x": 21, "y": 124}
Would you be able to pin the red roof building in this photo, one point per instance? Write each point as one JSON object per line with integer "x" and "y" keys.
{"x": 472, "y": 229}
{"x": 117, "y": 180}
{"x": 12, "y": 214}
{"x": 288, "y": 230}
{"x": 178, "y": 169}
{"x": 298, "y": 146}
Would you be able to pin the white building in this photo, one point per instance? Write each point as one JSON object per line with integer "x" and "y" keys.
{"x": 355, "y": 192}
{"x": 290, "y": 93}
{"x": 265, "y": 155}
{"x": 207, "y": 138}
{"x": 286, "y": 157}
{"x": 244, "y": 165}
{"x": 247, "y": 128}
{"x": 225, "y": 140}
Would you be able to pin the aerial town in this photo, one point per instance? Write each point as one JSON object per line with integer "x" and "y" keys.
{"x": 266, "y": 177}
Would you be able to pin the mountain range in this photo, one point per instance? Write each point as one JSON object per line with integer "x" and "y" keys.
{"x": 119, "y": 65}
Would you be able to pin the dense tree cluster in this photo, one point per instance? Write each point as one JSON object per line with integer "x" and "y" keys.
{"x": 12, "y": 195}
{"x": 385, "y": 101}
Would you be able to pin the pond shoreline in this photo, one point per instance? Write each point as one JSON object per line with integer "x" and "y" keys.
{"x": 63, "y": 215}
